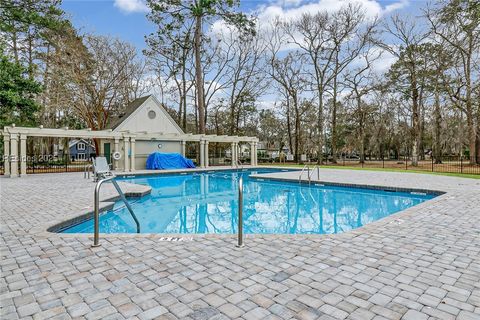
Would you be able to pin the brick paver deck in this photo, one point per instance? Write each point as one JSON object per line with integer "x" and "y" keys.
{"x": 422, "y": 263}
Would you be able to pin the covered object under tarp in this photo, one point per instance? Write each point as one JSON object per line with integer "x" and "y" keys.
{"x": 158, "y": 161}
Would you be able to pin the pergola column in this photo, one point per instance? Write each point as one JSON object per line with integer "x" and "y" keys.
{"x": 237, "y": 152}
{"x": 132, "y": 154}
{"x": 202, "y": 153}
{"x": 116, "y": 149}
{"x": 6, "y": 154}
{"x": 256, "y": 154}
{"x": 183, "y": 147}
{"x": 23, "y": 155}
{"x": 234, "y": 160}
{"x": 252, "y": 153}
{"x": 125, "y": 153}
{"x": 14, "y": 155}
{"x": 206, "y": 154}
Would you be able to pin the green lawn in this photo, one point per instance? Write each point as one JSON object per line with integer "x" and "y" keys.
{"x": 461, "y": 175}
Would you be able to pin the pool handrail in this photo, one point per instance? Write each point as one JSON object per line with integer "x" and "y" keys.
{"x": 96, "y": 210}
{"x": 86, "y": 170}
{"x": 238, "y": 164}
{"x": 240, "y": 213}
{"x": 318, "y": 173}
{"x": 303, "y": 170}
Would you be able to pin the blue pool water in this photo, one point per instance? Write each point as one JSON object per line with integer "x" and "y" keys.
{"x": 207, "y": 203}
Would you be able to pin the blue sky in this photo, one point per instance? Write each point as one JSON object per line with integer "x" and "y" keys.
{"x": 126, "y": 19}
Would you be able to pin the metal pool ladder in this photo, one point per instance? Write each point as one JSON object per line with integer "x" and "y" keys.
{"x": 240, "y": 213}
{"x": 309, "y": 175}
{"x": 86, "y": 170}
{"x": 305, "y": 167}
{"x": 96, "y": 229}
{"x": 318, "y": 173}
{"x": 239, "y": 164}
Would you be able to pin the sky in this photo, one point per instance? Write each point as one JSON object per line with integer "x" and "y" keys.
{"x": 126, "y": 19}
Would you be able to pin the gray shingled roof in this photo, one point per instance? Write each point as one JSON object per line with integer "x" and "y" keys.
{"x": 134, "y": 105}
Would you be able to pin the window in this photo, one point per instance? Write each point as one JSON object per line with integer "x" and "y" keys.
{"x": 81, "y": 146}
{"x": 81, "y": 156}
{"x": 152, "y": 114}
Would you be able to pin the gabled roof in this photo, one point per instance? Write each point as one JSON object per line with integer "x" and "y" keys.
{"x": 73, "y": 142}
{"x": 134, "y": 105}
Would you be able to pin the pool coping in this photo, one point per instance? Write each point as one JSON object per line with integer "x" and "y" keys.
{"x": 353, "y": 185}
{"x": 104, "y": 205}
{"x": 108, "y": 203}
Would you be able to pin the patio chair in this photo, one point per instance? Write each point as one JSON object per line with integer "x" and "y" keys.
{"x": 101, "y": 169}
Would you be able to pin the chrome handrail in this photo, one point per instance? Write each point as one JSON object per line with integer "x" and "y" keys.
{"x": 86, "y": 169}
{"x": 303, "y": 170}
{"x": 239, "y": 163}
{"x": 96, "y": 212}
{"x": 240, "y": 213}
{"x": 318, "y": 173}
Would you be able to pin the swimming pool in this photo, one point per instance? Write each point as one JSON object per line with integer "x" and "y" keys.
{"x": 207, "y": 202}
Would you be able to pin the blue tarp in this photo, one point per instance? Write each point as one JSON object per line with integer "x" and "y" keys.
{"x": 158, "y": 160}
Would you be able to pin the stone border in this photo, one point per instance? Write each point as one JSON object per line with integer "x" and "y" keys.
{"x": 152, "y": 173}
{"x": 350, "y": 185}
{"x": 104, "y": 205}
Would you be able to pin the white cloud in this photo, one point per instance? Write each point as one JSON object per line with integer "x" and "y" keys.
{"x": 270, "y": 12}
{"x": 130, "y": 6}
{"x": 293, "y": 9}
{"x": 289, "y": 3}
{"x": 382, "y": 64}
{"x": 397, "y": 6}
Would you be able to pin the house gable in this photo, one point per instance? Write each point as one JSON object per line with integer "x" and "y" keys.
{"x": 148, "y": 116}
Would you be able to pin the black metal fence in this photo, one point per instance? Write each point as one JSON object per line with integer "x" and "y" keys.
{"x": 45, "y": 164}
{"x": 445, "y": 164}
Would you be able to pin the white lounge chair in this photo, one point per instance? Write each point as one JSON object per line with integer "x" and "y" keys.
{"x": 101, "y": 168}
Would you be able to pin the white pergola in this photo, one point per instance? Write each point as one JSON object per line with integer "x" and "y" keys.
{"x": 15, "y": 144}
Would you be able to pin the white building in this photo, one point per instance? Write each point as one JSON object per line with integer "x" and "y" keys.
{"x": 145, "y": 127}
{"x": 144, "y": 115}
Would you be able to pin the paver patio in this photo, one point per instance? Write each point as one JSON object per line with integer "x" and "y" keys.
{"x": 422, "y": 263}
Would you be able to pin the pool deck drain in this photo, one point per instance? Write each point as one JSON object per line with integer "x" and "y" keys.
{"x": 421, "y": 263}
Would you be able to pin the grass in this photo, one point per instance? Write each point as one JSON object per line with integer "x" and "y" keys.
{"x": 451, "y": 174}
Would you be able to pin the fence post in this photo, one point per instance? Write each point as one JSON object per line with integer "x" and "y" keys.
{"x": 406, "y": 162}
{"x": 432, "y": 161}
{"x": 461, "y": 164}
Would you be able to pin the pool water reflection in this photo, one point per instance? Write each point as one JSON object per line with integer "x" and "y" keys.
{"x": 207, "y": 203}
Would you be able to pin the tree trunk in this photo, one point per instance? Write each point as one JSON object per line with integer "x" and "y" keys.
{"x": 472, "y": 135}
{"x": 199, "y": 75}
{"x": 184, "y": 103}
{"x": 477, "y": 155}
{"x": 334, "y": 123}
{"x": 361, "y": 125}
{"x": 415, "y": 120}
{"x": 320, "y": 125}
{"x": 297, "y": 127}
{"x": 334, "y": 111}
{"x": 289, "y": 127}
{"x": 437, "y": 149}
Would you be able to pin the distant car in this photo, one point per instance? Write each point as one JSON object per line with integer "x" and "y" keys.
{"x": 352, "y": 157}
